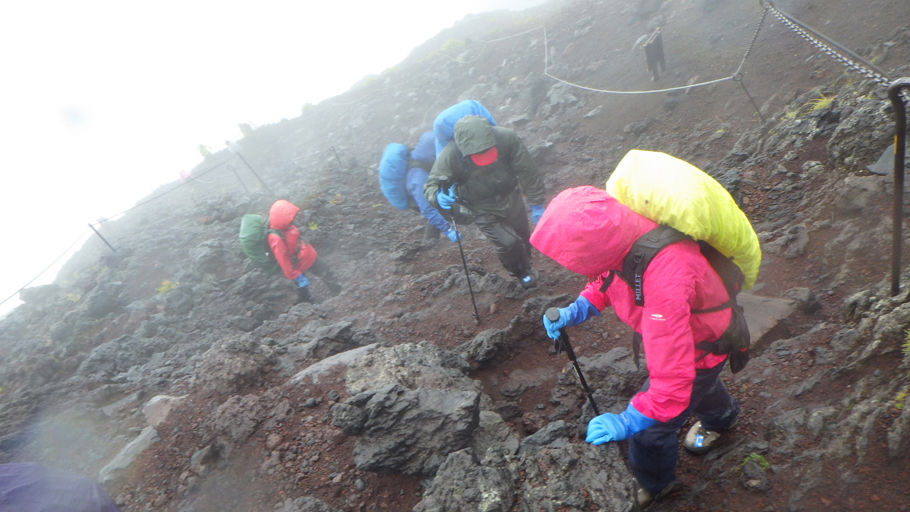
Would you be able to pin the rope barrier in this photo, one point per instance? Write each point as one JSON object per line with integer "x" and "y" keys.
{"x": 546, "y": 72}
{"x": 506, "y": 38}
{"x": 92, "y": 226}
{"x": 64, "y": 253}
{"x": 736, "y": 75}
{"x": 166, "y": 192}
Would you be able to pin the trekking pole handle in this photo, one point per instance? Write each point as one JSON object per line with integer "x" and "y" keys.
{"x": 444, "y": 184}
{"x": 562, "y": 343}
{"x": 552, "y": 315}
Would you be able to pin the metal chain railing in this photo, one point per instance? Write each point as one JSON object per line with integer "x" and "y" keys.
{"x": 761, "y": 21}
{"x": 831, "y": 48}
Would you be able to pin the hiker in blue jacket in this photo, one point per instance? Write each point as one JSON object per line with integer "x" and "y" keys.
{"x": 421, "y": 161}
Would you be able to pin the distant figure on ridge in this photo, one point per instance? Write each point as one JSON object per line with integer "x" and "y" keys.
{"x": 654, "y": 54}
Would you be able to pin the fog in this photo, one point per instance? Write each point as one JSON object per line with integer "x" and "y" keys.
{"x": 105, "y": 100}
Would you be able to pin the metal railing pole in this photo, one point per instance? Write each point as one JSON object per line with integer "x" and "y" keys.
{"x": 900, "y": 135}
{"x": 102, "y": 238}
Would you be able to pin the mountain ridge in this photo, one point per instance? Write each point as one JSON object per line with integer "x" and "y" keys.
{"x": 269, "y": 398}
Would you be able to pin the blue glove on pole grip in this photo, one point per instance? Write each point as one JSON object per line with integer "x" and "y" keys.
{"x": 573, "y": 314}
{"x": 616, "y": 427}
{"x": 301, "y": 281}
{"x": 444, "y": 199}
{"x": 453, "y": 235}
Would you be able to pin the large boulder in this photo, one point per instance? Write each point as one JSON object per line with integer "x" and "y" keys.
{"x": 408, "y": 431}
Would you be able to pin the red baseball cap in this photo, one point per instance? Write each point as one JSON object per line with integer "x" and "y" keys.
{"x": 485, "y": 157}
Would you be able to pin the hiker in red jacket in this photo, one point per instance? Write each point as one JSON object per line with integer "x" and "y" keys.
{"x": 589, "y": 232}
{"x": 293, "y": 255}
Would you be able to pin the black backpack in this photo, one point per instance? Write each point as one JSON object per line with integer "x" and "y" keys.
{"x": 736, "y": 339}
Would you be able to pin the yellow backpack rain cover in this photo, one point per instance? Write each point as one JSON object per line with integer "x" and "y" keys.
{"x": 671, "y": 191}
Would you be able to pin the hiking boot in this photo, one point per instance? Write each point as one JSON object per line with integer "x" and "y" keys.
{"x": 334, "y": 287}
{"x": 430, "y": 235}
{"x": 699, "y": 439}
{"x": 643, "y": 498}
{"x": 529, "y": 280}
{"x": 303, "y": 295}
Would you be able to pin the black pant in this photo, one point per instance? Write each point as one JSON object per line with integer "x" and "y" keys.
{"x": 653, "y": 452}
{"x": 324, "y": 272}
{"x": 509, "y": 234}
{"x": 654, "y": 55}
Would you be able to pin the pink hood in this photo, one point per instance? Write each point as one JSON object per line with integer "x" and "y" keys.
{"x": 578, "y": 215}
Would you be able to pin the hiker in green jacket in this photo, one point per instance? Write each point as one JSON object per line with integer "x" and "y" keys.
{"x": 485, "y": 169}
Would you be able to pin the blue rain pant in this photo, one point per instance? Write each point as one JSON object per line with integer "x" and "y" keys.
{"x": 653, "y": 451}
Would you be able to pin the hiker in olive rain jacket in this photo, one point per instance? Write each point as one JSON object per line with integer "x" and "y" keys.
{"x": 589, "y": 232}
{"x": 294, "y": 255}
{"x": 485, "y": 169}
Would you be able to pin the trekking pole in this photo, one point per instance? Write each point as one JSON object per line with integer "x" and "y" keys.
{"x": 443, "y": 184}
{"x": 562, "y": 343}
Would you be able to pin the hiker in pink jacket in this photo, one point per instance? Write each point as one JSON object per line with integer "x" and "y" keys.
{"x": 588, "y": 232}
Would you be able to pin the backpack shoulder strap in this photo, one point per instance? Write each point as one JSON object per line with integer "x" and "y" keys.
{"x": 270, "y": 229}
{"x": 729, "y": 272}
{"x": 633, "y": 268}
{"x": 426, "y": 166}
{"x": 642, "y": 252}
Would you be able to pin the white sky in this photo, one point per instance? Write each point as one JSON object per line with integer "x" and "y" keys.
{"x": 103, "y": 101}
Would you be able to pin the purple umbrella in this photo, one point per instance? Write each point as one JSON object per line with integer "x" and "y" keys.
{"x": 31, "y": 487}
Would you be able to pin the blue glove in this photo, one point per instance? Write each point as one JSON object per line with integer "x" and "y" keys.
{"x": 536, "y": 213}
{"x": 453, "y": 235}
{"x": 302, "y": 281}
{"x": 444, "y": 199}
{"x": 573, "y": 314}
{"x": 616, "y": 427}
